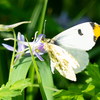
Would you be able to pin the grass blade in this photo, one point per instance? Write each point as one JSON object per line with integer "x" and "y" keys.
{"x": 42, "y": 17}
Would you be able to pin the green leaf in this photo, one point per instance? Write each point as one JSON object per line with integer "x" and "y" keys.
{"x": 21, "y": 84}
{"x": 20, "y": 69}
{"x": 88, "y": 90}
{"x": 46, "y": 77}
{"x": 73, "y": 93}
{"x": 63, "y": 95}
{"x": 75, "y": 88}
{"x": 96, "y": 97}
{"x": 79, "y": 97}
{"x": 94, "y": 73}
{"x": 8, "y": 91}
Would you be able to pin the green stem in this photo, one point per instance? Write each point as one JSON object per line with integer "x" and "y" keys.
{"x": 13, "y": 55}
{"x": 30, "y": 90}
{"x": 42, "y": 17}
{"x": 38, "y": 75}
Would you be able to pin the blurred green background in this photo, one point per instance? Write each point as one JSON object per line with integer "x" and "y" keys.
{"x": 60, "y": 15}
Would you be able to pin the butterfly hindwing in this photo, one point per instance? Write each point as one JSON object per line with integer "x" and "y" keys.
{"x": 62, "y": 61}
{"x": 81, "y": 57}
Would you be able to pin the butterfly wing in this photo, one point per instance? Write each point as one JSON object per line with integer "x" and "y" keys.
{"x": 62, "y": 61}
{"x": 78, "y": 37}
{"x": 81, "y": 57}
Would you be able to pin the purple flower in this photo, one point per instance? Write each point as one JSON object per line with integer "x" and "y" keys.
{"x": 21, "y": 47}
{"x": 37, "y": 46}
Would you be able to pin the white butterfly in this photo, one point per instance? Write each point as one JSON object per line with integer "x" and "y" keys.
{"x": 67, "y": 50}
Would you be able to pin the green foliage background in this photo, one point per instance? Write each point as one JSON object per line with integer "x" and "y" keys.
{"x": 88, "y": 81}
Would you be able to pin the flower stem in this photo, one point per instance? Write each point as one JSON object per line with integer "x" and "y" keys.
{"x": 38, "y": 75}
{"x": 13, "y": 55}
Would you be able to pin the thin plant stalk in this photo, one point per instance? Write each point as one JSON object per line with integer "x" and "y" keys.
{"x": 38, "y": 75}
{"x": 13, "y": 55}
{"x": 42, "y": 17}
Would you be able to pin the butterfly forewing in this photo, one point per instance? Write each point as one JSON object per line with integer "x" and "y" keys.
{"x": 79, "y": 37}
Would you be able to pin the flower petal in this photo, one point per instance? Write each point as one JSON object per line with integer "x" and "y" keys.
{"x": 39, "y": 38}
{"x": 9, "y": 47}
{"x": 20, "y": 37}
{"x": 41, "y": 48}
{"x": 38, "y": 41}
{"x": 35, "y": 53}
{"x": 10, "y": 27}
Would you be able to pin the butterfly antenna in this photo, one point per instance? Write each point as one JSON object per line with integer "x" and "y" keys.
{"x": 44, "y": 26}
